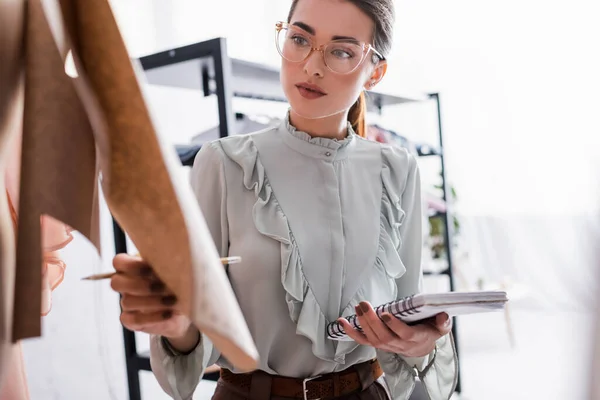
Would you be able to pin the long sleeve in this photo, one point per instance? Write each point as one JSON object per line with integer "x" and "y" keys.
{"x": 179, "y": 375}
{"x": 438, "y": 370}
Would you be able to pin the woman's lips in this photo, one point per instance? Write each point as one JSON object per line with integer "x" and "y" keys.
{"x": 310, "y": 92}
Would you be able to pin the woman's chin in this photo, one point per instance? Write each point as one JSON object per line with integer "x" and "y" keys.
{"x": 307, "y": 111}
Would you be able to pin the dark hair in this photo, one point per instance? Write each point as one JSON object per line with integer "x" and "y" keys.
{"x": 383, "y": 15}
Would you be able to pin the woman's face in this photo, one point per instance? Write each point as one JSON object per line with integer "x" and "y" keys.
{"x": 322, "y": 21}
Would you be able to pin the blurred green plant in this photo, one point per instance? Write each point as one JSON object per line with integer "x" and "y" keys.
{"x": 437, "y": 227}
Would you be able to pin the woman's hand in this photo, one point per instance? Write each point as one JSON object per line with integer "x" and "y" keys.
{"x": 392, "y": 335}
{"x": 147, "y": 306}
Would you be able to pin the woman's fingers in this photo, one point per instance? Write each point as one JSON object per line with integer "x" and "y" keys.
{"x": 400, "y": 329}
{"x": 443, "y": 323}
{"x": 132, "y": 265}
{"x": 147, "y": 303}
{"x": 389, "y": 333}
{"x": 353, "y": 333}
{"x": 137, "y": 321}
{"x": 415, "y": 341}
{"x": 375, "y": 330}
{"x": 167, "y": 323}
{"x": 126, "y": 284}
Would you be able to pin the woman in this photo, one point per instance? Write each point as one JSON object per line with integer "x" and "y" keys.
{"x": 327, "y": 224}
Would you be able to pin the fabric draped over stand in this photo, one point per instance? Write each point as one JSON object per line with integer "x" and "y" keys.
{"x": 64, "y": 75}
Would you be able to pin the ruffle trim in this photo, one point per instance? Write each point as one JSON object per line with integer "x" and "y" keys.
{"x": 439, "y": 377}
{"x": 304, "y": 309}
{"x": 392, "y": 210}
{"x": 332, "y": 144}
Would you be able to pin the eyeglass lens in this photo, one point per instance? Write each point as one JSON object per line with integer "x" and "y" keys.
{"x": 341, "y": 57}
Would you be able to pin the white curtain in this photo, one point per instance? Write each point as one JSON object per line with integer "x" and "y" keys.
{"x": 553, "y": 259}
{"x": 595, "y": 370}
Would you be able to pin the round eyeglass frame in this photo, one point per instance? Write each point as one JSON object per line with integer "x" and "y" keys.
{"x": 367, "y": 47}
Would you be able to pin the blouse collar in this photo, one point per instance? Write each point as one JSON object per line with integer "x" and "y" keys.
{"x": 318, "y": 147}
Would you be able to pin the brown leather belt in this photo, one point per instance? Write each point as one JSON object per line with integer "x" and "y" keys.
{"x": 327, "y": 386}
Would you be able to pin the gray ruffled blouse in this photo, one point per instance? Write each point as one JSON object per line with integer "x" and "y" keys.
{"x": 321, "y": 225}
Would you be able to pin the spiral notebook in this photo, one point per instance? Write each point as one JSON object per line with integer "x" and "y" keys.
{"x": 412, "y": 309}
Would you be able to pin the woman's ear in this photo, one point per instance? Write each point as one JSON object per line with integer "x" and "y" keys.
{"x": 377, "y": 75}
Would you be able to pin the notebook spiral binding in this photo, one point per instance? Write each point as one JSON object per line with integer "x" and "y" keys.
{"x": 399, "y": 308}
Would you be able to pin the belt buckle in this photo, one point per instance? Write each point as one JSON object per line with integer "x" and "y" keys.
{"x": 305, "y": 390}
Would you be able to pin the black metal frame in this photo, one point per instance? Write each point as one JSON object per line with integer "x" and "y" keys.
{"x": 449, "y": 271}
{"x": 134, "y": 362}
{"x": 215, "y": 50}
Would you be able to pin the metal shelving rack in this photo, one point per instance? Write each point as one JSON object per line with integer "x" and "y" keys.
{"x": 447, "y": 221}
{"x": 206, "y": 66}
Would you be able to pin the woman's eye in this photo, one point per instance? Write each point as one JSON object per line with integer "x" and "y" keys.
{"x": 342, "y": 53}
{"x": 299, "y": 40}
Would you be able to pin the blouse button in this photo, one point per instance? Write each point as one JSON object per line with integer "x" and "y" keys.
{"x": 328, "y": 154}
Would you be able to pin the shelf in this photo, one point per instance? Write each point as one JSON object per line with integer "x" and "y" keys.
{"x": 436, "y": 267}
{"x": 437, "y": 273}
{"x": 425, "y": 150}
{"x": 188, "y": 67}
{"x": 187, "y": 153}
{"x": 142, "y": 360}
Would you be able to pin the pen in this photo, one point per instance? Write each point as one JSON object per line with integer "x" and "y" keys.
{"x": 108, "y": 275}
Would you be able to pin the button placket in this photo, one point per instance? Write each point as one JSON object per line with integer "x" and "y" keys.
{"x": 331, "y": 198}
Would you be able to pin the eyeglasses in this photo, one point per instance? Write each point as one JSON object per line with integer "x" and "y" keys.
{"x": 340, "y": 56}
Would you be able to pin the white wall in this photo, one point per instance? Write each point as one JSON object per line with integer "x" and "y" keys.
{"x": 519, "y": 86}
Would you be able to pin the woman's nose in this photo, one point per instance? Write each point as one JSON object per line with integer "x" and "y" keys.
{"x": 314, "y": 65}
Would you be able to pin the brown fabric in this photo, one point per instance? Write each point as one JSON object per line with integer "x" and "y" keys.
{"x": 260, "y": 385}
{"x": 58, "y": 166}
{"x": 97, "y": 112}
{"x": 140, "y": 177}
{"x": 11, "y": 36}
{"x": 138, "y": 180}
